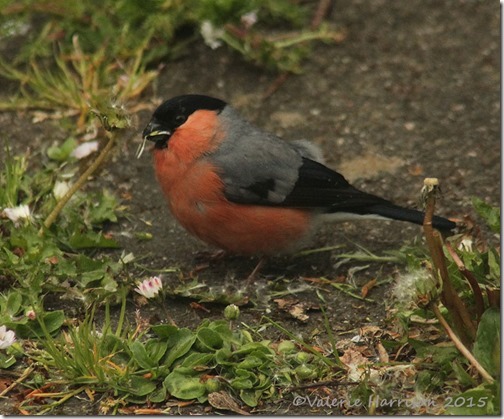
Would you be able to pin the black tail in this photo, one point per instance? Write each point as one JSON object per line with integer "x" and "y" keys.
{"x": 395, "y": 212}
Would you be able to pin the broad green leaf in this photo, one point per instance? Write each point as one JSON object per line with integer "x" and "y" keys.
{"x": 487, "y": 346}
{"x": 111, "y": 344}
{"x": 250, "y": 362}
{"x": 104, "y": 209}
{"x": 222, "y": 328}
{"x": 139, "y": 386}
{"x": 185, "y": 384}
{"x": 164, "y": 331}
{"x": 140, "y": 355}
{"x": 252, "y": 347}
{"x": 224, "y": 357}
{"x": 158, "y": 395}
{"x": 209, "y": 339}
{"x": 481, "y": 401}
{"x": 6, "y": 361}
{"x": 197, "y": 360}
{"x": 182, "y": 342}
{"x": 62, "y": 152}
{"x": 244, "y": 379}
{"x": 53, "y": 320}
{"x": 14, "y": 301}
{"x": 464, "y": 378}
{"x": 250, "y": 397}
{"x": 156, "y": 349}
{"x": 494, "y": 267}
{"x": 91, "y": 239}
{"x": 490, "y": 214}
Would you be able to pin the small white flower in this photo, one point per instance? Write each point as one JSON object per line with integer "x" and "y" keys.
{"x": 84, "y": 150}
{"x": 7, "y": 337}
{"x": 211, "y": 34}
{"x": 21, "y": 212}
{"x": 60, "y": 189}
{"x": 249, "y": 19}
{"x": 150, "y": 287}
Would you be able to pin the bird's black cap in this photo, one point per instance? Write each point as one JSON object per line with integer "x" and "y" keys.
{"x": 172, "y": 113}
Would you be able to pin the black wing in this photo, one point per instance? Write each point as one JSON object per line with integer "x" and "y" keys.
{"x": 316, "y": 187}
{"x": 320, "y": 187}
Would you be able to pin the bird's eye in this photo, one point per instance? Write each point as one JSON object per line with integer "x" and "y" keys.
{"x": 180, "y": 119}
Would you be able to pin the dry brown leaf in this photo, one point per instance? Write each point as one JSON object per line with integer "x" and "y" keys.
{"x": 367, "y": 287}
{"x": 353, "y": 357}
{"x": 382, "y": 352}
{"x": 148, "y": 412}
{"x": 295, "y": 308}
{"x": 5, "y": 383}
{"x": 223, "y": 401}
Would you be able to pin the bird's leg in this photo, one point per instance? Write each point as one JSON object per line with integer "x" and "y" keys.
{"x": 208, "y": 257}
{"x": 205, "y": 259}
{"x": 252, "y": 277}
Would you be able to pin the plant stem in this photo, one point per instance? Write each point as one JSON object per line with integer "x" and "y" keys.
{"x": 459, "y": 345}
{"x": 318, "y": 250}
{"x": 330, "y": 334}
{"x": 449, "y": 296}
{"x": 77, "y": 185}
{"x": 473, "y": 282}
{"x": 23, "y": 376}
{"x": 63, "y": 399}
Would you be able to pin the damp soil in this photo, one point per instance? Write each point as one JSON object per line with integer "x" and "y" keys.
{"x": 412, "y": 92}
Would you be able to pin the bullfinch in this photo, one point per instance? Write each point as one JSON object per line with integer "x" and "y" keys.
{"x": 247, "y": 191}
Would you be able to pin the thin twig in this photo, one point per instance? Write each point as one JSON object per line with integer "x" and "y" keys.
{"x": 493, "y": 295}
{"x": 323, "y": 9}
{"x": 459, "y": 345}
{"x": 77, "y": 185}
{"x": 277, "y": 83}
{"x": 318, "y": 250}
{"x": 63, "y": 399}
{"x": 23, "y": 376}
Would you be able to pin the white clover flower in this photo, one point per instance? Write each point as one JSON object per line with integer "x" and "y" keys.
{"x": 84, "y": 150}
{"x": 21, "y": 212}
{"x": 150, "y": 287}
{"x": 60, "y": 189}
{"x": 7, "y": 337}
{"x": 211, "y": 34}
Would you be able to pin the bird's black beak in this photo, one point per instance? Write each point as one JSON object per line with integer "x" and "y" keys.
{"x": 155, "y": 132}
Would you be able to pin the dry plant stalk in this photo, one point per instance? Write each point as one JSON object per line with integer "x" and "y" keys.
{"x": 449, "y": 297}
{"x": 459, "y": 345}
{"x": 77, "y": 185}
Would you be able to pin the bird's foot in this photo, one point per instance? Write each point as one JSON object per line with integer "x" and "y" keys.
{"x": 210, "y": 256}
